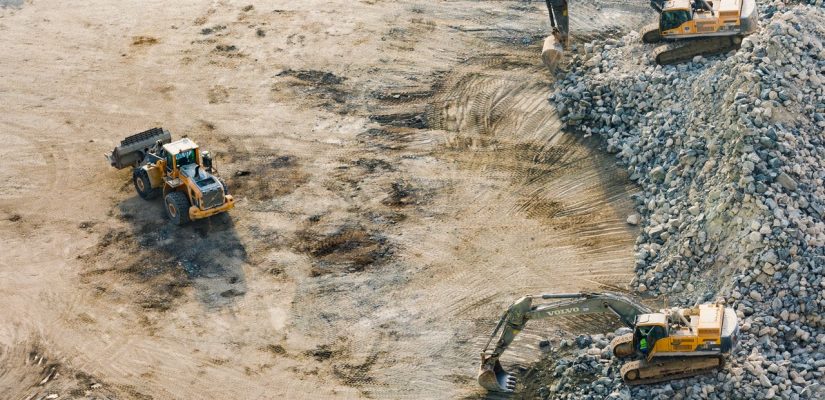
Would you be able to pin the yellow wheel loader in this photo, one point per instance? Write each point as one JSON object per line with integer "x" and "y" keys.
{"x": 669, "y": 344}
{"x": 178, "y": 170}
{"x": 693, "y": 28}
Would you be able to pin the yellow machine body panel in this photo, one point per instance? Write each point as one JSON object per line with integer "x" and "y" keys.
{"x": 703, "y": 334}
{"x": 155, "y": 172}
{"x": 678, "y": 19}
{"x": 181, "y": 153}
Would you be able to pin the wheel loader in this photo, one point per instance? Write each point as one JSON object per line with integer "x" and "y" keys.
{"x": 670, "y": 344}
{"x": 179, "y": 171}
{"x": 692, "y": 28}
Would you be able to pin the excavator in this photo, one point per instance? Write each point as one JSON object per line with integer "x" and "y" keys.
{"x": 688, "y": 27}
{"x": 670, "y": 344}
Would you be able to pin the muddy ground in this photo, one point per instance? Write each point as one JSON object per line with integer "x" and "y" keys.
{"x": 400, "y": 179}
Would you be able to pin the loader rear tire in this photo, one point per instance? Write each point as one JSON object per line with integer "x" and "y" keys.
{"x": 143, "y": 185}
{"x": 177, "y": 207}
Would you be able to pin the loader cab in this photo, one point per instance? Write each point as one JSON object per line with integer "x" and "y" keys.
{"x": 651, "y": 327}
{"x": 180, "y": 153}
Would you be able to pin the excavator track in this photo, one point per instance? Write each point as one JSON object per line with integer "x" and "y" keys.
{"x": 622, "y": 346}
{"x": 642, "y": 372}
{"x": 650, "y": 33}
{"x": 667, "y": 54}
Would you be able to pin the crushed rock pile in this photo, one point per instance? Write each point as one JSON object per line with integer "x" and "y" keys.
{"x": 729, "y": 153}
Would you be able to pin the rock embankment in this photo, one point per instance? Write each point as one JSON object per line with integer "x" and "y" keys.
{"x": 729, "y": 153}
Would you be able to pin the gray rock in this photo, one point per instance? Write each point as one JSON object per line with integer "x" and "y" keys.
{"x": 786, "y": 181}
{"x": 657, "y": 174}
{"x": 756, "y": 296}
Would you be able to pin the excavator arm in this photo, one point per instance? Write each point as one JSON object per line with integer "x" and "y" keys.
{"x": 493, "y": 377}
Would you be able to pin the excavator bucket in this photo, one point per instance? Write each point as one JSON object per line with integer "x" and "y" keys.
{"x": 131, "y": 150}
{"x": 495, "y": 379}
{"x": 552, "y": 52}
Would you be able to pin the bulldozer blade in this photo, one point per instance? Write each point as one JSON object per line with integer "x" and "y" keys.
{"x": 496, "y": 379}
{"x": 133, "y": 149}
{"x": 552, "y": 53}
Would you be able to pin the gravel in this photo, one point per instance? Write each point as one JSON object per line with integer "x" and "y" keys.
{"x": 729, "y": 152}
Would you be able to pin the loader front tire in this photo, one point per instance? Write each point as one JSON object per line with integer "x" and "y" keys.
{"x": 177, "y": 207}
{"x": 143, "y": 186}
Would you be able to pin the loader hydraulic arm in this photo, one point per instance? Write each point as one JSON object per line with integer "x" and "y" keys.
{"x": 493, "y": 377}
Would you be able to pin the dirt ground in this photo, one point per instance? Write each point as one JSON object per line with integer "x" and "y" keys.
{"x": 400, "y": 180}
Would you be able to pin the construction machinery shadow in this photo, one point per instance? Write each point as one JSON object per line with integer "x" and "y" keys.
{"x": 208, "y": 251}
{"x": 158, "y": 263}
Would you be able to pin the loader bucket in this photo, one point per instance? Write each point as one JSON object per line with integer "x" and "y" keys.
{"x": 131, "y": 150}
{"x": 552, "y": 53}
{"x": 495, "y": 379}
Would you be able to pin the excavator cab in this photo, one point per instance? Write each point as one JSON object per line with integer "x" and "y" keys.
{"x": 651, "y": 327}
{"x": 672, "y": 19}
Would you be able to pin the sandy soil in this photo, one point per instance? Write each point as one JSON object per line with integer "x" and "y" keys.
{"x": 400, "y": 176}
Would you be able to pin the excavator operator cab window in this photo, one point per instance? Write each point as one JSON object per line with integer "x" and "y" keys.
{"x": 673, "y": 19}
{"x": 656, "y": 333}
{"x": 651, "y": 334}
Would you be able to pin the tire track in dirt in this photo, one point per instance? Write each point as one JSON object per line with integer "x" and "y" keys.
{"x": 484, "y": 199}
{"x": 525, "y": 208}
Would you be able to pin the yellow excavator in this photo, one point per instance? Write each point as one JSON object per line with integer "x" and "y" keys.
{"x": 688, "y": 28}
{"x": 670, "y": 344}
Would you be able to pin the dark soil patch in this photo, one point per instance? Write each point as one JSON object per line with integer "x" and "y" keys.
{"x": 386, "y": 139}
{"x": 276, "y": 349}
{"x": 320, "y": 353}
{"x": 209, "y": 31}
{"x": 226, "y": 47}
{"x": 356, "y": 374}
{"x": 157, "y": 262}
{"x": 350, "y": 248}
{"x": 262, "y": 176}
{"x": 313, "y": 76}
{"x": 320, "y": 85}
{"x": 373, "y": 164}
{"x": 144, "y": 41}
{"x": 403, "y": 97}
{"x": 401, "y": 194}
{"x": 408, "y": 120}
